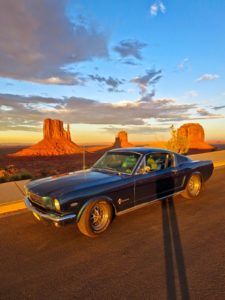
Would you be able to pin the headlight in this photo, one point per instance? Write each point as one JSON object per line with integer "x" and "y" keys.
{"x": 57, "y": 204}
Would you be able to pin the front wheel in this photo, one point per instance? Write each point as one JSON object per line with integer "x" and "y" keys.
{"x": 96, "y": 218}
{"x": 193, "y": 187}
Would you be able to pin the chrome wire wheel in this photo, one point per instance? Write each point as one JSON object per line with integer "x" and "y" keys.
{"x": 99, "y": 217}
{"x": 95, "y": 218}
{"x": 194, "y": 185}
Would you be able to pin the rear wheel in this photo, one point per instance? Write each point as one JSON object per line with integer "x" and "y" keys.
{"x": 193, "y": 187}
{"x": 96, "y": 218}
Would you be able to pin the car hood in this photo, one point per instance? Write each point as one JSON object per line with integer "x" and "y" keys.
{"x": 65, "y": 183}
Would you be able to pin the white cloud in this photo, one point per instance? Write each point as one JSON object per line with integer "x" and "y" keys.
{"x": 183, "y": 63}
{"x": 218, "y": 107}
{"x": 142, "y": 112}
{"x": 131, "y": 48}
{"x": 162, "y": 7}
{"x": 208, "y": 77}
{"x": 156, "y": 7}
{"x": 38, "y": 41}
{"x": 150, "y": 77}
{"x": 5, "y": 108}
{"x": 205, "y": 113}
{"x": 63, "y": 79}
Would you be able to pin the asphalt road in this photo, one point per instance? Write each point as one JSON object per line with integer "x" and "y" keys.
{"x": 173, "y": 249}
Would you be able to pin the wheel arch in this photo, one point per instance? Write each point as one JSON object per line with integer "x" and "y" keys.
{"x": 106, "y": 198}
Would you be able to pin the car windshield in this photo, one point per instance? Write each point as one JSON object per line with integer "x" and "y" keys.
{"x": 122, "y": 162}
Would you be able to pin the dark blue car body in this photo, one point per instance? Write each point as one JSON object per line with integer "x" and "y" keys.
{"x": 124, "y": 192}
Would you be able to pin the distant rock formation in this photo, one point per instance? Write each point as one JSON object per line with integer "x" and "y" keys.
{"x": 53, "y": 129}
{"x": 196, "y": 136}
{"x": 57, "y": 141}
{"x": 121, "y": 140}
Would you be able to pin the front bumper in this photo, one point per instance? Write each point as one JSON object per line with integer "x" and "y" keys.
{"x": 50, "y": 217}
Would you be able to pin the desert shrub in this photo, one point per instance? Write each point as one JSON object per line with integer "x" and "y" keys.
{"x": 48, "y": 172}
{"x": 25, "y": 176}
{"x": 3, "y": 179}
{"x": 15, "y": 177}
{"x": 177, "y": 143}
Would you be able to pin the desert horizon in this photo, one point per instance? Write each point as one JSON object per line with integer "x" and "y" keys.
{"x": 57, "y": 152}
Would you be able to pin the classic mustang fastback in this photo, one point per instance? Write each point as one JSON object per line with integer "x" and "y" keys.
{"x": 121, "y": 180}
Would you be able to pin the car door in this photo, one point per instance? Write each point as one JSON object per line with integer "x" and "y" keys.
{"x": 123, "y": 193}
{"x": 157, "y": 181}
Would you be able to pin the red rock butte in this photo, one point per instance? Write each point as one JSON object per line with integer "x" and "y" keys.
{"x": 196, "y": 136}
{"x": 121, "y": 140}
{"x": 57, "y": 141}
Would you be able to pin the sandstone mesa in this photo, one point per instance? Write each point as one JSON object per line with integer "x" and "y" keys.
{"x": 121, "y": 140}
{"x": 196, "y": 136}
{"x": 56, "y": 141}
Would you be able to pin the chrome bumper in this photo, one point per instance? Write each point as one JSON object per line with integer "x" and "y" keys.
{"x": 60, "y": 220}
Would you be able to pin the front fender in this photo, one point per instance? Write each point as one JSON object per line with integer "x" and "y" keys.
{"x": 108, "y": 199}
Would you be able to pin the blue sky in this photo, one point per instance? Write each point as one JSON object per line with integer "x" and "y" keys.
{"x": 109, "y": 65}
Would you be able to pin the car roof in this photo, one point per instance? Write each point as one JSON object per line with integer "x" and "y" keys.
{"x": 141, "y": 150}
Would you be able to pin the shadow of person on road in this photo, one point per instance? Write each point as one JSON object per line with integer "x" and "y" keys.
{"x": 173, "y": 251}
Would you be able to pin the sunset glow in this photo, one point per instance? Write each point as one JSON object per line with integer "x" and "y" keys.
{"x": 104, "y": 67}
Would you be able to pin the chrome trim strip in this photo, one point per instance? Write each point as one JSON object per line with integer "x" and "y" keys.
{"x": 138, "y": 167}
{"x": 51, "y": 217}
{"x": 145, "y": 204}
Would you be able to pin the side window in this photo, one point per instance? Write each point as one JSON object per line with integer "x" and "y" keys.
{"x": 151, "y": 162}
{"x": 156, "y": 161}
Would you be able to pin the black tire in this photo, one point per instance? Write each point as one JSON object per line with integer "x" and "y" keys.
{"x": 194, "y": 187}
{"x": 95, "y": 218}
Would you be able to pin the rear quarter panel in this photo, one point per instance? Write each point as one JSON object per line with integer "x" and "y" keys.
{"x": 204, "y": 168}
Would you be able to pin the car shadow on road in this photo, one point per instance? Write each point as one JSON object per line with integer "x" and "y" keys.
{"x": 173, "y": 252}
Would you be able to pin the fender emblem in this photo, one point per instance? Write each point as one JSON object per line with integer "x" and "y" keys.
{"x": 120, "y": 201}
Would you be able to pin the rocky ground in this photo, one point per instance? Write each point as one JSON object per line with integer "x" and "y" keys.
{"x": 51, "y": 165}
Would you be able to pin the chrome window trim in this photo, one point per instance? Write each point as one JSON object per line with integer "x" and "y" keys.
{"x": 138, "y": 167}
